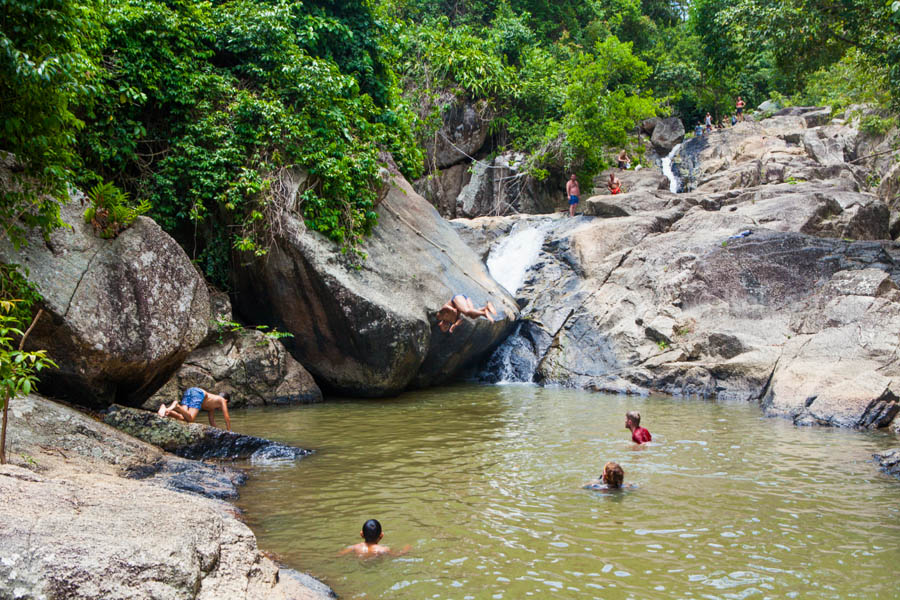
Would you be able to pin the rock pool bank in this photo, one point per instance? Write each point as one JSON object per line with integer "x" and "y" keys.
{"x": 93, "y": 513}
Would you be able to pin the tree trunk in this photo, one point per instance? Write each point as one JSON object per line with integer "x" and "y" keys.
{"x": 3, "y": 430}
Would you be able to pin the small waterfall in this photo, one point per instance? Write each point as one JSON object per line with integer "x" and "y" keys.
{"x": 509, "y": 260}
{"x": 674, "y": 183}
{"x": 517, "y": 358}
{"x": 514, "y": 361}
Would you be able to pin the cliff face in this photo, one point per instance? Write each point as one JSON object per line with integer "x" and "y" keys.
{"x": 368, "y": 327}
{"x": 774, "y": 280}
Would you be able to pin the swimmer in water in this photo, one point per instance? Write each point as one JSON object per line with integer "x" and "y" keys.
{"x": 371, "y": 534}
{"x": 639, "y": 435}
{"x": 450, "y": 315}
{"x": 611, "y": 478}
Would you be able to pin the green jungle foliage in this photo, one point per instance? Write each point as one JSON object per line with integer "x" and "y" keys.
{"x": 47, "y": 67}
{"x": 564, "y": 96}
{"x": 204, "y": 107}
{"x": 207, "y": 110}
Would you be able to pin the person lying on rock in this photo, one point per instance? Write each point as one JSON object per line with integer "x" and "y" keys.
{"x": 639, "y": 435}
{"x": 192, "y": 401}
{"x": 611, "y": 479}
{"x": 371, "y": 534}
{"x": 614, "y": 185}
{"x": 450, "y": 315}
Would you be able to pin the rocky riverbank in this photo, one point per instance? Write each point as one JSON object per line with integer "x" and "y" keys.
{"x": 94, "y": 513}
{"x": 774, "y": 281}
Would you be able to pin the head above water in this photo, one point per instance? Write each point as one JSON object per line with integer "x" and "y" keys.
{"x": 371, "y": 531}
{"x": 613, "y": 475}
{"x": 634, "y": 417}
{"x": 227, "y": 396}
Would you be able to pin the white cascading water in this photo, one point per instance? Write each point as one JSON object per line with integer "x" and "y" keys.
{"x": 509, "y": 260}
{"x": 508, "y": 263}
{"x": 667, "y": 169}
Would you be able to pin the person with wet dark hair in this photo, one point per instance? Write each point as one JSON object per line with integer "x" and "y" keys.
{"x": 612, "y": 478}
{"x": 371, "y": 534}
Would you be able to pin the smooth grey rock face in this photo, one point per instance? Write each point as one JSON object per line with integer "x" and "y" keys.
{"x": 368, "y": 327}
{"x": 768, "y": 106}
{"x": 477, "y": 197}
{"x": 648, "y": 125}
{"x": 253, "y": 369}
{"x": 667, "y": 134}
{"x": 99, "y": 514}
{"x": 442, "y": 187}
{"x": 657, "y": 291}
{"x": 461, "y": 136}
{"x": 121, "y": 314}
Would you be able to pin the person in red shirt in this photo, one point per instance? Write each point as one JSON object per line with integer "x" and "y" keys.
{"x": 639, "y": 435}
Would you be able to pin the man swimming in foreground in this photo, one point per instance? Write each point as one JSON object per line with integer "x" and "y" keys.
{"x": 371, "y": 534}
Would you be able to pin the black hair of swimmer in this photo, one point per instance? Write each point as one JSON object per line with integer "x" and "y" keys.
{"x": 227, "y": 396}
{"x": 371, "y": 531}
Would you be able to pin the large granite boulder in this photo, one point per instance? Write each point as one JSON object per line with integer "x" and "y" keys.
{"x": 99, "y": 514}
{"x": 367, "y": 327}
{"x": 122, "y": 314}
{"x": 461, "y": 135}
{"x": 255, "y": 369}
{"x": 667, "y": 134}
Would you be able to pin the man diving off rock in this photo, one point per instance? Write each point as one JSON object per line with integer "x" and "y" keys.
{"x": 450, "y": 315}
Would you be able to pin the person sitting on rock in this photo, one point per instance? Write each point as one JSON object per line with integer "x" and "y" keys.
{"x": 614, "y": 185}
{"x": 623, "y": 160}
{"x": 450, "y": 315}
{"x": 371, "y": 534}
{"x": 698, "y": 130}
{"x": 611, "y": 479}
{"x": 192, "y": 401}
{"x": 639, "y": 435}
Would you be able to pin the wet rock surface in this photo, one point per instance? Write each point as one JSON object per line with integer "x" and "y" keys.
{"x": 99, "y": 514}
{"x": 889, "y": 461}
{"x": 368, "y": 327}
{"x": 195, "y": 440}
{"x": 121, "y": 314}
{"x": 774, "y": 281}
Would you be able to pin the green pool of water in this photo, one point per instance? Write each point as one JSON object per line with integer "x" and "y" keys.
{"x": 485, "y": 483}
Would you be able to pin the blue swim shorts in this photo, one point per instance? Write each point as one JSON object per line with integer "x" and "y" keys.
{"x": 193, "y": 398}
{"x": 573, "y": 199}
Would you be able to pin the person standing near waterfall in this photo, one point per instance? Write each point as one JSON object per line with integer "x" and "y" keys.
{"x": 573, "y": 192}
{"x": 739, "y": 106}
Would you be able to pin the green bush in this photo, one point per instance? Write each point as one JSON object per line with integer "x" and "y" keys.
{"x": 109, "y": 212}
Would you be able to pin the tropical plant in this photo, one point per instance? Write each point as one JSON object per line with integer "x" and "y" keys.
{"x": 18, "y": 369}
{"x": 109, "y": 212}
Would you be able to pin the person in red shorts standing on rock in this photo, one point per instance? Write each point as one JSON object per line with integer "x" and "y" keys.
{"x": 639, "y": 435}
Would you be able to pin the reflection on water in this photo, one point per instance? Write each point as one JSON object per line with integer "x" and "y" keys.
{"x": 485, "y": 483}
